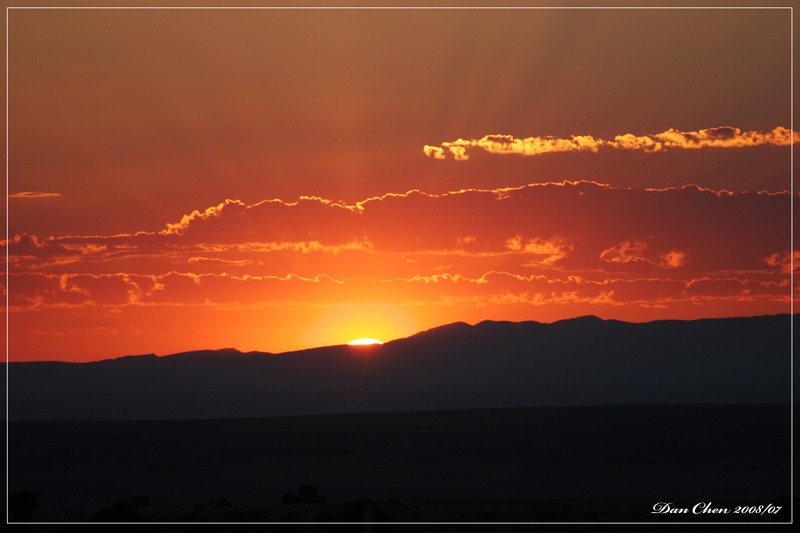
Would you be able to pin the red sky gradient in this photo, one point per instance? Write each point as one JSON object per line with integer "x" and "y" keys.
{"x": 282, "y": 179}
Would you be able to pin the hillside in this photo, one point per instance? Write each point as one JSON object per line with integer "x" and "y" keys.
{"x": 584, "y": 361}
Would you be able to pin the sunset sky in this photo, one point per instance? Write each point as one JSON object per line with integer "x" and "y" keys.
{"x": 282, "y": 179}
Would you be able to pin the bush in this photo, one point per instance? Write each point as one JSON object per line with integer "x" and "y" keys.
{"x": 307, "y": 494}
{"x": 141, "y": 501}
{"x": 310, "y": 494}
{"x": 119, "y": 511}
{"x": 290, "y": 498}
{"x": 22, "y": 505}
{"x": 364, "y": 510}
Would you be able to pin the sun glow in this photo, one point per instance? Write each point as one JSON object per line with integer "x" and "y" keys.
{"x": 364, "y": 342}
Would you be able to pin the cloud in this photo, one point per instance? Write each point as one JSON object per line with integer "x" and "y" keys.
{"x": 31, "y": 194}
{"x": 36, "y": 291}
{"x": 726, "y": 137}
{"x": 624, "y": 252}
{"x": 718, "y": 137}
{"x": 673, "y": 259}
{"x": 434, "y": 152}
{"x": 303, "y": 247}
{"x": 552, "y": 226}
{"x": 539, "y": 251}
{"x": 784, "y": 261}
{"x": 507, "y": 144}
{"x": 631, "y": 252}
{"x": 543, "y": 251}
{"x": 178, "y": 228}
{"x": 219, "y": 260}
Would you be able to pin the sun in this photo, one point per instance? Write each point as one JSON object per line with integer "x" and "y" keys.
{"x": 364, "y": 342}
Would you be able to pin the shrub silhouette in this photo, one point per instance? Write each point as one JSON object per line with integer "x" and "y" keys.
{"x": 119, "y": 511}
{"x": 310, "y": 494}
{"x": 290, "y": 498}
{"x": 22, "y": 505}
{"x": 364, "y": 510}
{"x": 307, "y": 494}
{"x": 141, "y": 501}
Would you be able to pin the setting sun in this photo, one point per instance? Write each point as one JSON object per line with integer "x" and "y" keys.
{"x": 301, "y": 220}
{"x": 364, "y": 342}
{"x": 204, "y": 200}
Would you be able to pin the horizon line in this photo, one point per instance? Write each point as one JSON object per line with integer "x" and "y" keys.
{"x": 384, "y": 343}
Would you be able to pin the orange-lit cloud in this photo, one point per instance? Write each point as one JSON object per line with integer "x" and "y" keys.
{"x": 31, "y": 194}
{"x": 785, "y": 261}
{"x": 540, "y": 251}
{"x": 628, "y": 252}
{"x": 673, "y": 259}
{"x": 508, "y": 144}
{"x": 557, "y": 225}
{"x": 719, "y": 137}
{"x": 624, "y": 252}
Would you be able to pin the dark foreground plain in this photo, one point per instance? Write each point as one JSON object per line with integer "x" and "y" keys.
{"x": 545, "y": 464}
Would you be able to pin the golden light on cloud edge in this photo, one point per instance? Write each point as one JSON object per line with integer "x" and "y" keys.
{"x": 321, "y": 272}
{"x": 717, "y": 137}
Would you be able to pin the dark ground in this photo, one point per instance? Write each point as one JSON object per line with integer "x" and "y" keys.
{"x": 549, "y": 464}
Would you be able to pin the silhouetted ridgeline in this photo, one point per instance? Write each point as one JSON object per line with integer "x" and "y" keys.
{"x": 584, "y": 361}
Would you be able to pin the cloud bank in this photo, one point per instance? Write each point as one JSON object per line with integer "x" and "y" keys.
{"x": 719, "y": 137}
{"x": 282, "y": 275}
{"x": 576, "y": 243}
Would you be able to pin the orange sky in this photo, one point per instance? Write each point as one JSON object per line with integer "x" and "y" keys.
{"x": 281, "y": 179}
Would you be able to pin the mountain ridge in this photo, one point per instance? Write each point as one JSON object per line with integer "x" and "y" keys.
{"x": 459, "y": 326}
{"x": 585, "y": 361}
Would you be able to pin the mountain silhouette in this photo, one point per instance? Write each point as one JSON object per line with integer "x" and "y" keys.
{"x": 582, "y": 361}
